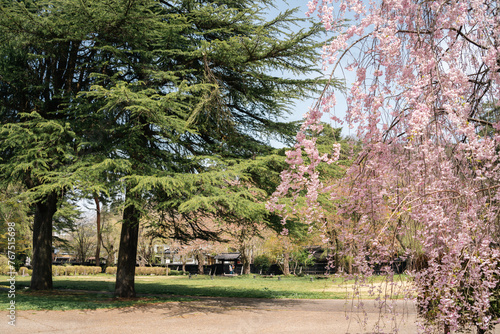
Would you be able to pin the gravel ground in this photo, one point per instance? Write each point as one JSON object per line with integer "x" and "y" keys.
{"x": 217, "y": 315}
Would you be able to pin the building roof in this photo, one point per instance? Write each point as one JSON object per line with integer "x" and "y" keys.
{"x": 227, "y": 256}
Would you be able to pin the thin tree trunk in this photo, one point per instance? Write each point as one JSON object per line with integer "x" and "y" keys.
{"x": 99, "y": 235}
{"x": 45, "y": 209}
{"x": 127, "y": 253}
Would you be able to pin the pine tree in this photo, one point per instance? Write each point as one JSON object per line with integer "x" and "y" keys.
{"x": 154, "y": 97}
{"x": 228, "y": 106}
{"x": 50, "y": 52}
{"x": 37, "y": 143}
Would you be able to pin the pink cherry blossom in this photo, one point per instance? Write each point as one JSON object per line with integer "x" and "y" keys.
{"x": 426, "y": 186}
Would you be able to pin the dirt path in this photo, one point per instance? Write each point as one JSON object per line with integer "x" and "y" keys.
{"x": 213, "y": 315}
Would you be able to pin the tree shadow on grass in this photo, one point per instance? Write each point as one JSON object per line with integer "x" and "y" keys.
{"x": 80, "y": 300}
{"x": 93, "y": 294}
{"x": 172, "y": 288}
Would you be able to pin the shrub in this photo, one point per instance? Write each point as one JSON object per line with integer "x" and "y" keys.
{"x": 75, "y": 270}
{"x": 88, "y": 270}
{"x": 58, "y": 270}
{"x": 96, "y": 270}
{"x": 71, "y": 271}
{"x": 4, "y": 265}
{"x": 177, "y": 272}
{"x": 23, "y": 271}
{"x": 163, "y": 271}
{"x": 158, "y": 271}
{"x": 111, "y": 270}
{"x": 262, "y": 262}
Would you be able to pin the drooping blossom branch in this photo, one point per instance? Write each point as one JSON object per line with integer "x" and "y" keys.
{"x": 425, "y": 104}
{"x": 302, "y": 174}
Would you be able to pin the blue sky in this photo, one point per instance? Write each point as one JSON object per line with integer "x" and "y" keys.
{"x": 302, "y": 105}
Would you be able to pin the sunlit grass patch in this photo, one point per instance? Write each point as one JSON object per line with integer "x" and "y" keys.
{"x": 71, "y": 300}
{"x": 71, "y": 291}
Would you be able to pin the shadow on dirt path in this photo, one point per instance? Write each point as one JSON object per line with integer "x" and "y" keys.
{"x": 221, "y": 315}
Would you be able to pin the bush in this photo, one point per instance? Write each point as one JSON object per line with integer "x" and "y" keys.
{"x": 58, "y": 270}
{"x": 111, "y": 270}
{"x": 158, "y": 271}
{"x": 75, "y": 270}
{"x": 262, "y": 262}
{"x": 96, "y": 270}
{"x": 177, "y": 272}
{"x": 4, "y": 265}
{"x": 79, "y": 270}
{"x": 23, "y": 271}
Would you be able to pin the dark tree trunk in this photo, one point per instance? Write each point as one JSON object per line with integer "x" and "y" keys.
{"x": 127, "y": 253}
{"x": 99, "y": 235}
{"x": 45, "y": 209}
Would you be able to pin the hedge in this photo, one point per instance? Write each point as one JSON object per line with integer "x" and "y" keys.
{"x": 111, "y": 270}
{"x": 157, "y": 271}
{"x": 75, "y": 270}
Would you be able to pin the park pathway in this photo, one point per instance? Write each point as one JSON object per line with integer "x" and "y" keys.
{"x": 216, "y": 315}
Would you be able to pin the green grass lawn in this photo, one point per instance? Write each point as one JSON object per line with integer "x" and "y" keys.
{"x": 153, "y": 289}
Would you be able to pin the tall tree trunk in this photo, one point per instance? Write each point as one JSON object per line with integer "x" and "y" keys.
{"x": 245, "y": 259}
{"x": 246, "y": 266}
{"x": 45, "y": 209}
{"x": 99, "y": 235}
{"x": 201, "y": 262}
{"x": 127, "y": 253}
{"x": 286, "y": 263}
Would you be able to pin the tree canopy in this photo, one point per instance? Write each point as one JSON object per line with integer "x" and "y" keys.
{"x": 156, "y": 100}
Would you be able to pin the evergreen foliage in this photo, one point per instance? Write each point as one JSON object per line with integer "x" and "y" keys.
{"x": 158, "y": 100}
